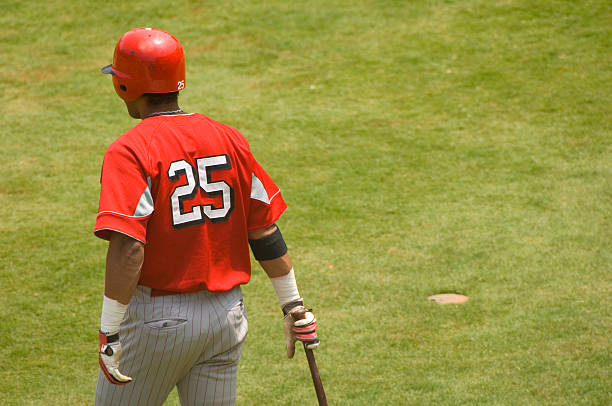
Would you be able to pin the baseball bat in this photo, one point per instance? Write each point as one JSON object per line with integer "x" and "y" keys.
{"x": 316, "y": 378}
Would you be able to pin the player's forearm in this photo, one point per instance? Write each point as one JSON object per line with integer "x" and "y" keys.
{"x": 270, "y": 250}
{"x": 123, "y": 262}
{"x": 277, "y": 267}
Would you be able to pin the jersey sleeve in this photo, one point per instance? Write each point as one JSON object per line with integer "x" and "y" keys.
{"x": 126, "y": 203}
{"x": 267, "y": 204}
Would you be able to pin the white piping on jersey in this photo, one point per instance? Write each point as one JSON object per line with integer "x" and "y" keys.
{"x": 274, "y": 195}
{"x": 120, "y": 232}
{"x": 145, "y": 204}
{"x": 120, "y": 214}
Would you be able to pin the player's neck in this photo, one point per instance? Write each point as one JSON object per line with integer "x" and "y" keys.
{"x": 141, "y": 108}
{"x": 160, "y": 109}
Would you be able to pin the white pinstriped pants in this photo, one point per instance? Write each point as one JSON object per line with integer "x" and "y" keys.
{"x": 191, "y": 341}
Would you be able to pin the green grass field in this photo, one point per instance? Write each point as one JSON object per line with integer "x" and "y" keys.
{"x": 422, "y": 146}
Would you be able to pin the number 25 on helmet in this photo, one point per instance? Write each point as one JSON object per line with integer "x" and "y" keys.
{"x": 147, "y": 60}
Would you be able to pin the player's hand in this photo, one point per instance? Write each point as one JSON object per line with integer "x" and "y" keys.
{"x": 110, "y": 352}
{"x": 300, "y": 325}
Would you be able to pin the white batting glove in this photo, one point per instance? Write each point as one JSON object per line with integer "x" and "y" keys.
{"x": 299, "y": 325}
{"x": 110, "y": 352}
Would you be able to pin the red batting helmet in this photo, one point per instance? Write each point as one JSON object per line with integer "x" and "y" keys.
{"x": 147, "y": 60}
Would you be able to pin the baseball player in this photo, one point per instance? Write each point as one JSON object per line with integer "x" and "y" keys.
{"x": 181, "y": 200}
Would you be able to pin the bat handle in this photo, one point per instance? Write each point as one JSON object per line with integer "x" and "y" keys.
{"x": 316, "y": 378}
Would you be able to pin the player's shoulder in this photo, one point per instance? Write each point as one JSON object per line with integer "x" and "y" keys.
{"x": 132, "y": 140}
{"x": 229, "y": 134}
{"x": 224, "y": 128}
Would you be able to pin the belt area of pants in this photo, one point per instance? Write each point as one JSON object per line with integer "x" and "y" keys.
{"x": 160, "y": 292}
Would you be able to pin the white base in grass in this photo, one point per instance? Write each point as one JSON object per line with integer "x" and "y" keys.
{"x": 446, "y": 298}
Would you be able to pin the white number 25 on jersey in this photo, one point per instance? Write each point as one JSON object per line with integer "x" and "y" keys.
{"x": 200, "y": 176}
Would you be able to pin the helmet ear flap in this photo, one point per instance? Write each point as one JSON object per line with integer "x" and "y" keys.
{"x": 125, "y": 89}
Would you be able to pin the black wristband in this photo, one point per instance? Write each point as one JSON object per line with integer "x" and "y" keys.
{"x": 291, "y": 305}
{"x": 271, "y": 246}
{"x": 111, "y": 338}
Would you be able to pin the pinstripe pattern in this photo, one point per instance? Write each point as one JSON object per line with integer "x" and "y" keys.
{"x": 197, "y": 350}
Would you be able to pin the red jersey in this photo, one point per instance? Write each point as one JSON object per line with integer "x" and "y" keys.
{"x": 190, "y": 189}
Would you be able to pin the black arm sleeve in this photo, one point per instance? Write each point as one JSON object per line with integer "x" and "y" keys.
{"x": 269, "y": 247}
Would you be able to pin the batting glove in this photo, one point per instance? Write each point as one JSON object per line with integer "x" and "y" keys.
{"x": 299, "y": 325}
{"x": 110, "y": 352}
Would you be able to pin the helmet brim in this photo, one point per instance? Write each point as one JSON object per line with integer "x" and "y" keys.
{"x": 108, "y": 69}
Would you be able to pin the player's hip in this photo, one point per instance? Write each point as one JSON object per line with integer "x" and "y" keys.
{"x": 215, "y": 321}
